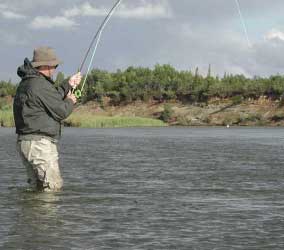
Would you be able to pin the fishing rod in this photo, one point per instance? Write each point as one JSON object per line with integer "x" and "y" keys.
{"x": 243, "y": 22}
{"x": 97, "y": 38}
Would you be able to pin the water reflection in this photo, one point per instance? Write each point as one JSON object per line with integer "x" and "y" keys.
{"x": 35, "y": 221}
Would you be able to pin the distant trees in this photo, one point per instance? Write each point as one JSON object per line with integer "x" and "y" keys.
{"x": 7, "y": 89}
{"x": 164, "y": 83}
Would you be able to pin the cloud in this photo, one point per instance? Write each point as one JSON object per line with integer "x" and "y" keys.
{"x": 3, "y": 6}
{"x": 30, "y": 5}
{"x": 86, "y": 9}
{"x": 147, "y": 11}
{"x": 144, "y": 11}
{"x": 275, "y": 34}
{"x": 184, "y": 33}
{"x": 12, "y": 15}
{"x": 47, "y": 22}
{"x": 8, "y": 14}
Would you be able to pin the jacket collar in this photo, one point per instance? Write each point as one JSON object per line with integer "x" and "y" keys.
{"x": 47, "y": 78}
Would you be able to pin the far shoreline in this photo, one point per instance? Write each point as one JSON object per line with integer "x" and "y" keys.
{"x": 262, "y": 112}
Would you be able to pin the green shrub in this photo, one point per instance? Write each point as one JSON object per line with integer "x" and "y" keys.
{"x": 167, "y": 114}
{"x": 237, "y": 99}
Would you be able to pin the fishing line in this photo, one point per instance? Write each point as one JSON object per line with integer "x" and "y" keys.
{"x": 243, "y": 22}
{"x": 97, "y": 38}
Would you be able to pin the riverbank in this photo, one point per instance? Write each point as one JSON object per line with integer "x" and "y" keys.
{"x": 217, "y": 112}
{"x": 84, "y": 118}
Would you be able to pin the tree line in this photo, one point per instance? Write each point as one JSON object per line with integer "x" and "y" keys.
{"x": 164, "y": 83}
{"x": 7, "y": 88}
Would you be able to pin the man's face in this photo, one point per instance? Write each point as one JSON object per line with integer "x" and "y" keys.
{"x": 51, "y": 70}
{"x": 47, "y": 70}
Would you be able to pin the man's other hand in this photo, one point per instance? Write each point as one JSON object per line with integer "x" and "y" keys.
{"x": 75, "y": 80}
{"x": 72, "y": 97}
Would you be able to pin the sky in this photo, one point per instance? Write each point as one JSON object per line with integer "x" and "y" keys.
{"x": 184, "y": 33}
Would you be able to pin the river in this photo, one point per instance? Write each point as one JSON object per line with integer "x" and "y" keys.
{"x": 152, "y": 188}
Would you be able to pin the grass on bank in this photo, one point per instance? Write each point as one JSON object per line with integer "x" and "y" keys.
{"x": 6, "y": 118}
{"x": 91, "y": 121}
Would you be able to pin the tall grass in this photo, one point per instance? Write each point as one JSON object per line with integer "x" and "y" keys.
{"x": 91, "y": 121}
{"x": 6, "y": 118}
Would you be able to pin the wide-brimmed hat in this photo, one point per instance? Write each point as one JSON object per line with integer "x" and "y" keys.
{"x": 45, "y": 56}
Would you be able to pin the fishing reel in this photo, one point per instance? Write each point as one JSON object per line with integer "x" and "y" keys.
{"x": 78, "y": 93}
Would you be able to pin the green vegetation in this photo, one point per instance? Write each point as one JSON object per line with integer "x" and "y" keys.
{"x": 7, "y": 89}
{"x": 6, "y": 113}
{"x": 91, "y": 121}
{"x": 6, "y": 118}
{"x": 167, "y": 114}
{"x": 175, "y": 97}
{"x": 164, "y": 83}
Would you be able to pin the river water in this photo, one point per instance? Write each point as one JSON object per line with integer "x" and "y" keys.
{"x": 154, "y": 188}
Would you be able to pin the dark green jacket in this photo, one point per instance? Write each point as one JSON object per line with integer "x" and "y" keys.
{"x": 39, "y": 107}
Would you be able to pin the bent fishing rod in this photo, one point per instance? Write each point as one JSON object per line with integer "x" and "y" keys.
{"x": 97, "y": 38}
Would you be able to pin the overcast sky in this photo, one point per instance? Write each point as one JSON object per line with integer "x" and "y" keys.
{"x": 183, "y": 33}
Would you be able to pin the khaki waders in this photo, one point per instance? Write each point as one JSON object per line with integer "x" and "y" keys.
{"x": 40, "y": 157}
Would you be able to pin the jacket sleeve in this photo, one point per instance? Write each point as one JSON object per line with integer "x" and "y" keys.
{"x": 52, "y": 101}
{"x": 64, "y": 88}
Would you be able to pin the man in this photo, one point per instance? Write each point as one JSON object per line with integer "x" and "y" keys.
{"x": 39, "y": 108}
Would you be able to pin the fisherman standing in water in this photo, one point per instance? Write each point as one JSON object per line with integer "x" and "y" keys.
{"x": 39, "y": 108}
